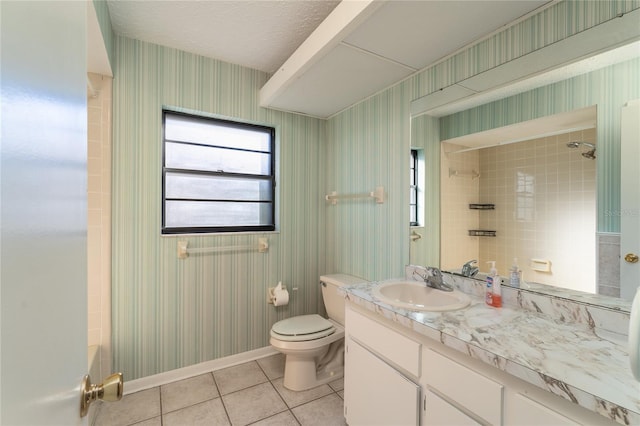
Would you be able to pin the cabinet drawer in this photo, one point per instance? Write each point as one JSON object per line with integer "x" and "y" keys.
{"x": 522, "y": 411}
{"x": 399, "y": 349}
{"x": 478, "y": 394}
{"x": 440, "y": 413}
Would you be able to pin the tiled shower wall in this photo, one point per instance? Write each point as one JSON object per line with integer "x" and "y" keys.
{"x": 99, "y": 219}
{"x": 545, "y": 197}
{"x": 459, "y": 188}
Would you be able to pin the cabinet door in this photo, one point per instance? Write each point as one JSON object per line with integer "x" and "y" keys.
{"x": 375, "y": 392}
{"x": 522, "y": 411}
{"x": 441, "y": 413}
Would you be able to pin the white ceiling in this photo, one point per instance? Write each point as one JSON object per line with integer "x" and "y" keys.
{"x": 259, "y": 34}
{"x": 376, "y": 49}
{"x": 557, "y": 124}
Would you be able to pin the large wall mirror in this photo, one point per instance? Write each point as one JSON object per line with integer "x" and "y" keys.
{"x": 544, "y": 188}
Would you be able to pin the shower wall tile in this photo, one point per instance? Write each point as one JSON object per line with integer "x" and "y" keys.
{"x": 99, "y": 219}
{"x": 457, "y": 192}
{"x": 544, "y": 194}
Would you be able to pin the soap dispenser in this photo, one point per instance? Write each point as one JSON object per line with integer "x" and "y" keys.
{"x": 514, "y": 274}
{"x": 496, "y": 298}
{"x": 490, "y": 283}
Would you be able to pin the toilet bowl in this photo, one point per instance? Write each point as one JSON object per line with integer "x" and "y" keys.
{"x": 313, "y": 345}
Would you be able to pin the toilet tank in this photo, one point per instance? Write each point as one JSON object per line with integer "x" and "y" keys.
{"x": 334, "y": 301}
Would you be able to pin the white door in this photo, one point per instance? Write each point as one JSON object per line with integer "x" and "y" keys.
{"x": 43, "y": 293}
{"x": 630, "y": 200}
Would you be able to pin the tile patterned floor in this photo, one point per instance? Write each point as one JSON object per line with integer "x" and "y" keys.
{"x": 246, "y": 394}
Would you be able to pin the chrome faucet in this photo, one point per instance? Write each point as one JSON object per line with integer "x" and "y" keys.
{"x": 470, "y": 269}
{"x": 434, "y": 279}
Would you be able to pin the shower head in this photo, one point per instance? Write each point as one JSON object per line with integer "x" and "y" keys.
{"x": 591, "y": 155}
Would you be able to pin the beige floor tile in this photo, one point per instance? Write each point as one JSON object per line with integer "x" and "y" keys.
{"x": 187, "y": 392}
{"x": 341, "y": 394}
{"x": 156, "y": 421}
{"x": 273, "y": 366}
{"x": 326, "y": 411}
{"x": 253, "y": 404}
{"x": 239, "y": 377}
{"x": 293, "y": 398}
{"x": 337, "y": 385}
{"x": 131, "y": 409}
{"x": 210, "y": 412}
{"x": 282, "y": 419}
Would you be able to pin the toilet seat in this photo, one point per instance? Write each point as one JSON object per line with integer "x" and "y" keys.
{"x": 302, "y": 328}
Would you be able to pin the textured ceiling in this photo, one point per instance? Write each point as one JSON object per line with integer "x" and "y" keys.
{"x": 256, "y": 34}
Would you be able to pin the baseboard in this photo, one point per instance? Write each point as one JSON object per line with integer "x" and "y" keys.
{"x": 196, "y": 369}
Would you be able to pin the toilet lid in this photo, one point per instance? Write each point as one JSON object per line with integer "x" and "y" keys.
{"x": 303, "y": 326}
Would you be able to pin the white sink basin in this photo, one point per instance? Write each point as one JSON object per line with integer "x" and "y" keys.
{"x": 417, "y": 296}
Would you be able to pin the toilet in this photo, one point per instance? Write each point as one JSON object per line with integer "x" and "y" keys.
{"x": 313, "y": 345}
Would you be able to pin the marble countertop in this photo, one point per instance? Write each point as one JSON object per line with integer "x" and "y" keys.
{"x": 567, "y": 359}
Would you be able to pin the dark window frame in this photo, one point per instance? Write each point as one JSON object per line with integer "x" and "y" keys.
{"x": 271, "y": 176}
{"x": 413, "y": 188}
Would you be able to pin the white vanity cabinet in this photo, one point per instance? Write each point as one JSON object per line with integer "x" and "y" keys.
{"x": 395, "y": 376}
{"x": 381, "y": 372}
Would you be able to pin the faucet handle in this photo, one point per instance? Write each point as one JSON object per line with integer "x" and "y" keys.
{"x": 434, "y": 271}
{"x": 469, "y": 269}
{"x": 421, "y": 276}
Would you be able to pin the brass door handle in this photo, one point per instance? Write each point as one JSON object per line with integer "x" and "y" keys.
{"x": 631, "y": 258}
{"x": 109, "y": 390}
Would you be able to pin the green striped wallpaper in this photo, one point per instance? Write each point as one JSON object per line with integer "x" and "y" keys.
{"x": 104, "y": 19}
{"x": 169, "y": 313}
{"x": 349, "y": 128}
{"x": 426, "y": 250}
{"x": 368, "y": 146}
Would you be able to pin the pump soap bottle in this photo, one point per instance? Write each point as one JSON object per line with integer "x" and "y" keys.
{"x": 493, "y": 296}
{"x": 514, "y": 275}
{"x": 496, "y": 298}
{"x": 490, "y": 283}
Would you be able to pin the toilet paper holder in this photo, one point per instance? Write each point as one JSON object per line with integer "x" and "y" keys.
{"x": 278, "y": 295}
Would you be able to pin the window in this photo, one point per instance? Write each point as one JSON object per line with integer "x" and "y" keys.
{"x": 217, "y": 175}
{"x": 413, "y": 188}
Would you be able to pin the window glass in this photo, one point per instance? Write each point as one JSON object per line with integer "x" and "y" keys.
{"x": 413, "y": 188}
{"x": 218, "y": 175}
